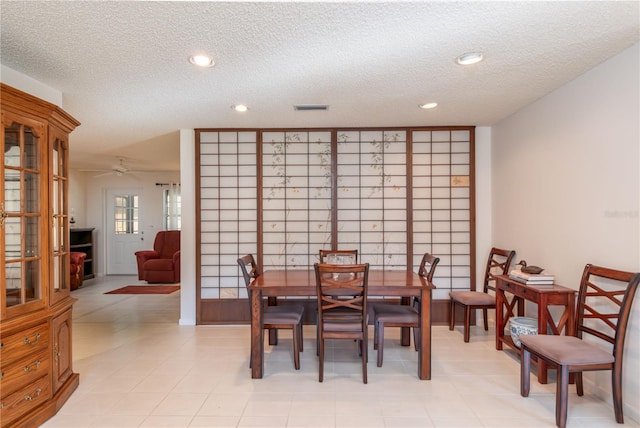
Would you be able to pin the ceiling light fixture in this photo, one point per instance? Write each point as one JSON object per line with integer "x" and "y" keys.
{"x": 201, "y": 60}
{"x": 470, "y": 58}
{"x": 427, "y": 106}
{"x": 240, "y": 107}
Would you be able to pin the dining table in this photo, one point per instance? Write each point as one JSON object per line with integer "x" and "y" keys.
{"x": 293, "y": 283}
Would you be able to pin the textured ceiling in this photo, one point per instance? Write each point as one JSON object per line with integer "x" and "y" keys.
{"x": 123, "y": 70}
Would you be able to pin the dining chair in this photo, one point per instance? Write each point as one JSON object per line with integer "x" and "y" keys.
{"x": 498, "y": 263}
{"x": 394, "y": 315}
{"x": 287, "y": 316}
{"x": 339, "y": 256}
{"x": 342, "y": 307}
{"x": 604, "y": 304}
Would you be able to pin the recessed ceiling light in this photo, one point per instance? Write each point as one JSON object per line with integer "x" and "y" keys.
{"x": 427, "y": 106}
{"x": 201, "y": 60}
{"x": 240, "y": 107}
{"x": 470, "y": 58}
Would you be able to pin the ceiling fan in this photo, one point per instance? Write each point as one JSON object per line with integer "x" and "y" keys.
{"x": 119, "y": 169}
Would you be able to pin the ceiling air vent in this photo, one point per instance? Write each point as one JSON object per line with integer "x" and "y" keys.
{"x": 310, "y": 107}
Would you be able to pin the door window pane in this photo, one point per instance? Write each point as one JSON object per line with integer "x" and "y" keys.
{"x": 126, "y": 214}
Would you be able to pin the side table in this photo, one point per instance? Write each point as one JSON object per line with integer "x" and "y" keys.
{"x": 544, "y": 297}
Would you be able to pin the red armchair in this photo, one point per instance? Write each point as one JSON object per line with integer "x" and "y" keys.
{"x": 77, "y": 269}
{"x": 162, "y": 264}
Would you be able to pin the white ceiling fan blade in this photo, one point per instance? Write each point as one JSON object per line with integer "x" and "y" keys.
{"x": 104, "y": 174}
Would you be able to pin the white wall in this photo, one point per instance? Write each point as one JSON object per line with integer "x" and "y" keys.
{"x": 78, "y": 198}
{"x": 483, "y": 202}
{"x": 29, "y": 85}
{"x": 566, "y": 188}
{"x": 188, "y": 233}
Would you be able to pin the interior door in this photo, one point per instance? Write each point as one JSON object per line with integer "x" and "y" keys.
{"x": 125, "y": 234}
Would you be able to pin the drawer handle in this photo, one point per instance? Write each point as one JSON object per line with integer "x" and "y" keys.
{"x": 29, "y": 342}
{"x": 36, "y": 395}
{"x": 27, "y": 369}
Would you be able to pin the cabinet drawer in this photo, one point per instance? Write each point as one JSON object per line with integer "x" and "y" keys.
{"x": 19, "y": 345}
{"x": 518, "y": 290}
{"x": 24, "y": 400}
{"x": 17, "y": 375}
{"x": 508, "y": 287}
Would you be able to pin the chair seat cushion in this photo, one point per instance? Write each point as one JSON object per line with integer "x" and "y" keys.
{"x": 293, "y": 308}
{"x": 282, "y": 315}
{"x": 158, "y": 264}
{"x": 346, "y": 325}
{"x": 566, "y": 350}
{"x": 385, "y": 312}
{"x": 342, "y": 314}
{"x": 472, "y": 298}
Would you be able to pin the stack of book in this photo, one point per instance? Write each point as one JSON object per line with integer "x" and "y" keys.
{"x": 541, "y": 279}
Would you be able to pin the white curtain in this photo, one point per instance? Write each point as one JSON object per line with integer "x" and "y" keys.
{"x": 173, "y": 207}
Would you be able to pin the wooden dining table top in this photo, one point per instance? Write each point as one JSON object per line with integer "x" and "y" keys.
{"x": 302, "y": 282}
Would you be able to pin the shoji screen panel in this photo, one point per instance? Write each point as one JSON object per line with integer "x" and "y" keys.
{"x": 372, "y": 195}
{"x": 296, "y": 197}
{"x": 442, "y": 205}
{"x": 282, "y": 194}
{"x": 228, "y": 210}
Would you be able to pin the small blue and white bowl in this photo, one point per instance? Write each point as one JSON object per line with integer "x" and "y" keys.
{"x": 522, "y": 325}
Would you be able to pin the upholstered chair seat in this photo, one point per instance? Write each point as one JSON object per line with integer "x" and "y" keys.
{"x": 567, "y": 350}
{"x": 472, "y": 298}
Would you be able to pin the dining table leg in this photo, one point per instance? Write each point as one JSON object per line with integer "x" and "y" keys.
{"x": 257, "y": 339}
{"x": 424, "y": 351}
{"x": 273, "y": 333}
{"x": 405, "y": 332}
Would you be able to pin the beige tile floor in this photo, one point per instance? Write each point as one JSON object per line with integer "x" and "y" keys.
{"x": 139, "y": 368}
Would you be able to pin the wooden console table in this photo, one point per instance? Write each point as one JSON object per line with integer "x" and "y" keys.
{"x": 544, "y": 297}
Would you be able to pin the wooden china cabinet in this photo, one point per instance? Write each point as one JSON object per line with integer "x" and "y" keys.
{"x": 36, "y": 375}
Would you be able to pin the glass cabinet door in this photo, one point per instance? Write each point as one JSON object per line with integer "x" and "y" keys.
{"x": 60, "y": 222}
{"x": 21, "y": 216}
